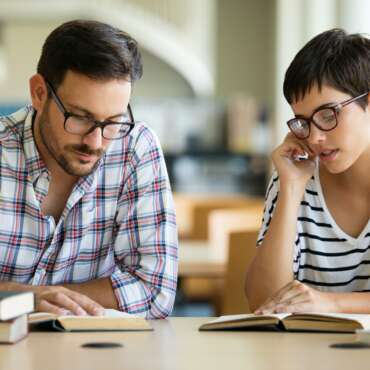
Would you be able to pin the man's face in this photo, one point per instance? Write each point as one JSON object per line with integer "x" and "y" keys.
{"x": 341, "y": 147}
{"x": 101, "y": 100}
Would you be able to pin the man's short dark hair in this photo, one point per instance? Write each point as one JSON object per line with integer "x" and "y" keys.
{"x": 333, "y": 58}
{"x": 91, "y": 48}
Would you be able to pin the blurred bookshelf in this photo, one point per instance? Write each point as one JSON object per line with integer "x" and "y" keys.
{"x": 217, "y": 171}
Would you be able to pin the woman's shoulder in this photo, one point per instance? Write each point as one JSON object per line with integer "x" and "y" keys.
{"x": 312, "y": 199}
{"x": 312, "y": 187}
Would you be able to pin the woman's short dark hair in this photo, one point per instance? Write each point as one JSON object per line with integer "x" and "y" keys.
{"x": 92, "y": 48}
{"x": 333, "y": 58}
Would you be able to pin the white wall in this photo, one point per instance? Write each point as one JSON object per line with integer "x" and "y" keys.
{"x": 186, "y": 47}
{"x": 22, "y": 43}
{"x": 297, "y": 21}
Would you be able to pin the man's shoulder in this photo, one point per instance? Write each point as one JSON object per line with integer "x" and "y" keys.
{"x": 11, "y": 126}
{"x": 142, "y": 133}
{"x": 141, "y": 139}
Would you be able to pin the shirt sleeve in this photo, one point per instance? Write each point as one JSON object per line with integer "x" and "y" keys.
{"x": 270, "y": 202}
{"x": 146, "y": 246}
{"x": 271, "y": 198}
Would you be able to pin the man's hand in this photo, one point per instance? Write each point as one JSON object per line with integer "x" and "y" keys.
{"x": 298, "y": 297}
{"x": 60, "y": 300}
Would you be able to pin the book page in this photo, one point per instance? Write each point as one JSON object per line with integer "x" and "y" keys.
{"x": 363, "y": 319}
{"x": 249, "y": 316}
{"x": 108, "y": 312}
{"x": 112, "y": 320}
{"x": 36, "y": 317}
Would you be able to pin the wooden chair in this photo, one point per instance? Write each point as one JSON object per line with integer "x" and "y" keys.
{"x": 193, "y": 210}
{"x": 221, "y": 223}
{"x": 242, "y": 249}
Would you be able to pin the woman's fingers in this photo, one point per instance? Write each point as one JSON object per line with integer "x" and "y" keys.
{"x": 293, "y": 292}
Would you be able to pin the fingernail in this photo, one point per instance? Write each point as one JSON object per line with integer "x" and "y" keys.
{"x": 81, "y": 312}
{"x": 98, "y": 311}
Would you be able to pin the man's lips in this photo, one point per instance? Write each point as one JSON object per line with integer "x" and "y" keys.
{"x": 86, "y": 157}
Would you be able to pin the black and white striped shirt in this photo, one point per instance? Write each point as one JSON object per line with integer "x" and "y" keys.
{"x": 325, "y": 257}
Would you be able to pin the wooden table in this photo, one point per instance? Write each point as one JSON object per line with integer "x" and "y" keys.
{"x": 177, "y": 344}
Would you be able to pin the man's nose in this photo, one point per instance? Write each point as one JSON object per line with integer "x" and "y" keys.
{"x": 94, "y": 139}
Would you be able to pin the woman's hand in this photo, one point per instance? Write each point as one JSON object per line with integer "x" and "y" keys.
{"x": 298, "y": 297}
{"x": 291, "y": 171}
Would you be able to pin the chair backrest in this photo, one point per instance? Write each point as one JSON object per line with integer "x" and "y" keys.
{"x": 193, "y": 211}
{"x": 223, "y": 222}
{"x": 242, "y": 248}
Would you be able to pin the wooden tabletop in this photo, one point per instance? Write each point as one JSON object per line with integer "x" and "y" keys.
{"x": 177, "y": 344}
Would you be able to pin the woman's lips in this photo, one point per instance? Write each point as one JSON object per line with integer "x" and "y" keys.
{"x": 328, "y": 155}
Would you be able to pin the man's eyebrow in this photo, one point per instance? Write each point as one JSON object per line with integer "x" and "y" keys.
{"x": 87, "y": 112}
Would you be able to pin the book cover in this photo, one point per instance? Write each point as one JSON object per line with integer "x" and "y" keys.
{"x": 11, "y": 331}
{"x": 14, "y": 304}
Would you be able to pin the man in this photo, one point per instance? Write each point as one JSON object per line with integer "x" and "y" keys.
{"x": 87, "y": 220}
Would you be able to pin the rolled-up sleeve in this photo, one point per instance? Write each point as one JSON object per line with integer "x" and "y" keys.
{"x": 145, "y": 246}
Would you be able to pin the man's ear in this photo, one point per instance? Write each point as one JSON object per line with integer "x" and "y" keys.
{"x": 38, "y": 91}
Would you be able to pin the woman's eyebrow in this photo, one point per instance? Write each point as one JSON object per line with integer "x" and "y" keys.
{"x": 326, "y": 105}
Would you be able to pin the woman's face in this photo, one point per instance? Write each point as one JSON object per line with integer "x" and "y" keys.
{"x": 349, "y": 141}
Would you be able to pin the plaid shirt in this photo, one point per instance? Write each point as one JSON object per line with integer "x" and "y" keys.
{"x": 118, "y": 222}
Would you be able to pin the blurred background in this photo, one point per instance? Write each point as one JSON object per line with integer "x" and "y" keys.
{"x": 212, "y": 91}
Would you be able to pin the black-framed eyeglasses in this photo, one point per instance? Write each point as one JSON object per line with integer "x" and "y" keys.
{"x": 324, "y": 118}
{"x": 84, "y": 125}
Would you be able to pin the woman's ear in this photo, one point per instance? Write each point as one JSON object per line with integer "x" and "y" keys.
{"x": 368, "y": 99}
{"x": 38, "y": 91}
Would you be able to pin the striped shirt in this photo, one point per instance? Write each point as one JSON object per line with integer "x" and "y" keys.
{"x": 118, "y": 222}
{"x": 325, "y": 257}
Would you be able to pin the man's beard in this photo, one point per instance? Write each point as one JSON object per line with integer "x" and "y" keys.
{"x": 47, "y": 137}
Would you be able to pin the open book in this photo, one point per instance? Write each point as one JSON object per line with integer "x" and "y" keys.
{"x": 113, "y": 320}
{"x": 327, "y": 322}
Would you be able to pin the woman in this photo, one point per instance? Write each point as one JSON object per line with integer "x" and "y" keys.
{"x": 314, "y": 244}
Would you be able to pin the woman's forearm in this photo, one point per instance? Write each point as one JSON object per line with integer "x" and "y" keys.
{"x": 272, "y": 266}
{"x": 353, "y": 302}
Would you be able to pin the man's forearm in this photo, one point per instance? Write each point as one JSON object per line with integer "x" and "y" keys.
{"x": 99, "y": 290}
{"x": 12, "y": 286}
